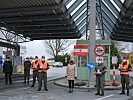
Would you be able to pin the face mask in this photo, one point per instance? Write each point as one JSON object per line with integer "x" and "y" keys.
{"x": 7, "y": 59}
{"x": 99, "y": 62}
{"x": 71, "y": 61}
{"x": 36, "y": 59}
{"x": 27, "y": 59}
{"x": 43, "y": 59}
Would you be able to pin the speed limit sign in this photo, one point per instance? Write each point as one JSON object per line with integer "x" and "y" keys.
{"x": 99, "y": 50}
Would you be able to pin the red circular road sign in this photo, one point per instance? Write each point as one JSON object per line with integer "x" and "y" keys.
{"x": 99, "y": 50}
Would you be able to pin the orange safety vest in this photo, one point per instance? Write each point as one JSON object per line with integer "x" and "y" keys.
{"x": 43, "y": 65}
{"x": 125, "y": 73}
{"x": 35, "y": 65}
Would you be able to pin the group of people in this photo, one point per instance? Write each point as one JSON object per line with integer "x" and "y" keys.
{"x": 124, "y": 69}
{"x": 40, "y": 68}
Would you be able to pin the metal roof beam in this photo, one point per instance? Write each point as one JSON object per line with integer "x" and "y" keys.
{"x": 129, "y": 12}
{"x": 81, "y": 17}
{"x": 74, "y": 5}
{"x": 107, "y": 29}
{"x": 119, "y": 3}
{"x": 38, "y": 23}
{"x": 34, "y": 9}
{"x": 28, "y": 18}
{"x": 106, "y": 16}
{"x": 56, "y": 37}
{"x": 113, "y": 8}
{"x": 110, "y": 14}
{"x": 49, "y": 31}
{"x": 42, "y": 27}
{"x": 79, "y": 11}
{"x": 80, "y": 25}
{"x": 29, "y": 34}
{"x": 4, "y": 44}
{"x": 107, "y": 24}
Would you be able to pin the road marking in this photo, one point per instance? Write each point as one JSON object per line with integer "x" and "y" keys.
{"x": 25, "y": 88}
{"x": 1, "y": 93}
{"x": 105, "y": 97}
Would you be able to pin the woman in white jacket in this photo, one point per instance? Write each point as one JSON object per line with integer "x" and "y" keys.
{"x": 71, "y": 74}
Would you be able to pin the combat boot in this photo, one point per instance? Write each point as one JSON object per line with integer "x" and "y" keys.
{"x": 39, "y": 89}
{"x": 98, "y": 93}
{"x": 102, "y": 94}
{"x": 127, "y": 92}
{"x": 69, "y": 91}
{"x": 123, "y": 92}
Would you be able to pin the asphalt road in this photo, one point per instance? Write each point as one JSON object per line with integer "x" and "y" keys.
{"x": 19, "y": 91}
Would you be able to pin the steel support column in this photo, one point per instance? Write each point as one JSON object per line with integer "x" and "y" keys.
{"x": 92, "y": 37}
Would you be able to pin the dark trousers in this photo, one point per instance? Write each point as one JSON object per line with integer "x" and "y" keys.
{"x": 71, "y": 84}
{"x": 125, "y": 81}
{"x": 26, "y": 76}
{"x": 42, "y": 76}
{"x": 8, "y": 76}
{"x": 35, "y": 75}
{"x": 100, "y": 81}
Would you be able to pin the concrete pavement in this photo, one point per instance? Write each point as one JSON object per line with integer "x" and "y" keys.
{"x": 108, "y": 84}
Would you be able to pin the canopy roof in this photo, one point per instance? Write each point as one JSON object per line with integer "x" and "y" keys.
{"x": 65, "y": 19}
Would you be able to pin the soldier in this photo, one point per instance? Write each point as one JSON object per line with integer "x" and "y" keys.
{"x": 27, "y": 66}
{"x": 124, "y": 68}
{"x": 35, "y": 65}
{"x": 100, "y": 71}
{"x": 42, "y": 73}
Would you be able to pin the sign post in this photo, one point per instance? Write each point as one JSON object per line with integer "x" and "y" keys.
{"x": 1, "y": 60}
{"x": 114, "y": 63}
{"x": 90, "y": 66}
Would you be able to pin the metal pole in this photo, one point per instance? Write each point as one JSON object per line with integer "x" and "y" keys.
{"x": 92, "y": 37}
{"x": 87, "y": 23}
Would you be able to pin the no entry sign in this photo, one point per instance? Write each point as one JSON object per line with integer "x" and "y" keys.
{"x": 99, "y": 50}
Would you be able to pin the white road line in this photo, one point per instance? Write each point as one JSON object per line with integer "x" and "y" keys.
{"x": 1, "y": 93}
{"x": 25, "y": 88}
{"x": 104, "y": 97}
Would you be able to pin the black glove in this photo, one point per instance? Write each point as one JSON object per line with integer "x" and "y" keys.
{"x": 75, "y": 77}
{"x": 66, "y": 76}
{"x": 46, "y": 68}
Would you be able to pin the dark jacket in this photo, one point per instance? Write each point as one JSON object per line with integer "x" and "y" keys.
{"x": 7, "y": 67}
{"x": 27, "y": 65}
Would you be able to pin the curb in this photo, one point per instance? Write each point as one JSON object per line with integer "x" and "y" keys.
{"x": 60, "y": 83}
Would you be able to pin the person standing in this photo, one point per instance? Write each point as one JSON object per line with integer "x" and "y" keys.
{"x": 124, "y": 68}
{"x": 27, "y": 66}
{"x": 8, "y": 69}
{"x": 35, "y": 65}
{"x": 100, "y": 71}
{"x": 71, "y": 74}
{"x": 42, "y": 73}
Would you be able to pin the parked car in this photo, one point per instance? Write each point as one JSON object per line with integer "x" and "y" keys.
{"x": 58, "y": 64}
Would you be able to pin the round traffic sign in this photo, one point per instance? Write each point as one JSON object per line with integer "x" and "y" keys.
{"x": 99, "y": 50}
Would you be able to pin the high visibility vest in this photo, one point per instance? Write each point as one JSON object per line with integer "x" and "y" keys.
{"x": 35, "y": 65}
{"x": 125, "y": 72}
{"x": 43, "y": 65}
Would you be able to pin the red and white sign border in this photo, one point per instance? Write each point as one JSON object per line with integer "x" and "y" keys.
{"x": 101, "y": 53}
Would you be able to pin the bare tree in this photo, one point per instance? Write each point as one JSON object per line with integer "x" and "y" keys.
{"x": 121, "y": 46}
{"x": 54, "y": 47}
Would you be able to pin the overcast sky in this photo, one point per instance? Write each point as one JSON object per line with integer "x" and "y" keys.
{"x": 37, "y": 48}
